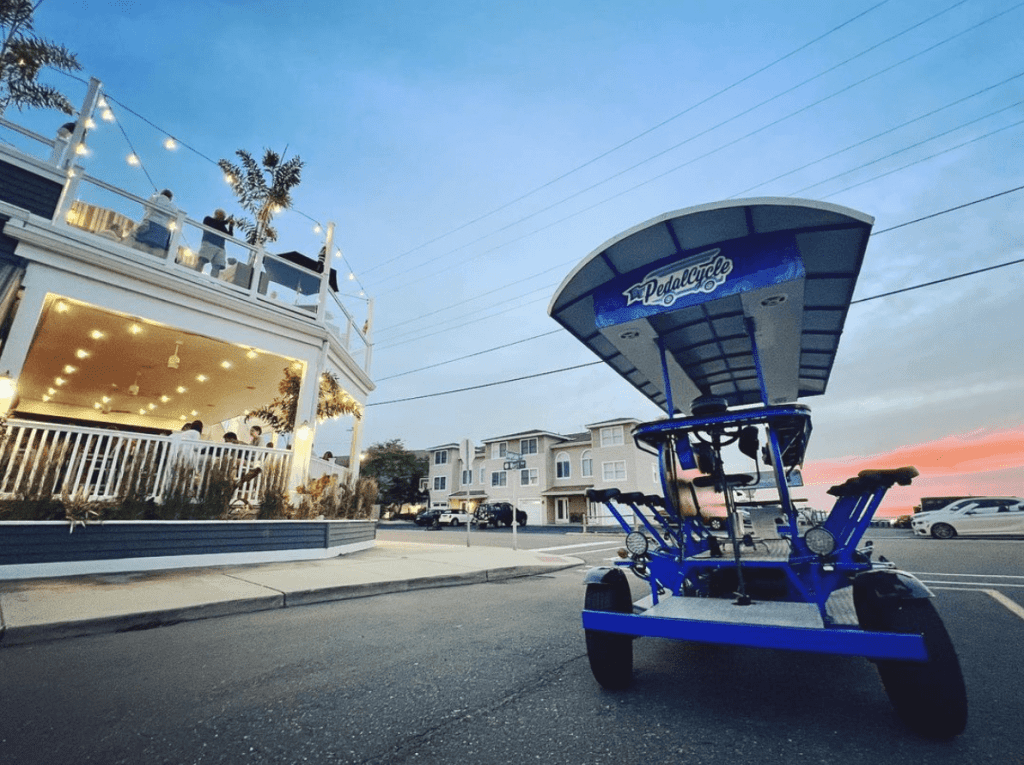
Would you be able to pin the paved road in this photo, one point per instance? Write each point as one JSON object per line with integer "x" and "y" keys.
{"x": 497, "y": 673}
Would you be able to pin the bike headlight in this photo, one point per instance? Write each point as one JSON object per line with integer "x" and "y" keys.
{"x": 636, "y": 543}
{"x": 820, "y": 541}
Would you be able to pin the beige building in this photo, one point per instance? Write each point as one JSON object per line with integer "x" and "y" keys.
{"x": 542, "y": 473}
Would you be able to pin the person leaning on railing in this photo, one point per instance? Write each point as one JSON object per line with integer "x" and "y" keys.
{"x": 211, "y": 250}
{"x": 153, "y": 235}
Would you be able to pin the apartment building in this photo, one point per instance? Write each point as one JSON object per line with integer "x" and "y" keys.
{"x": 545, "y": 474}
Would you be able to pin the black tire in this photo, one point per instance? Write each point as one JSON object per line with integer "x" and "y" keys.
{"x": 929, "y": 697}
{"x": 943, "y": 531}
{"x": 610, "y": 654}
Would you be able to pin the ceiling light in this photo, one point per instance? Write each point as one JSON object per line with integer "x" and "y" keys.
{"x": 151, "y": 406}
{"x": 202, "y": 378}
{"x": 82, "y": 354}
{"x": 226, "y": 364}
{"x": 58, "y": 381}
{"x": 181, "y": 389}
{"x": 134, "y": 387}
{"x": 251, "y": 354}
{"x": 69, "y": 370}
{"x": 195, "y": 413}
{"x": 105, "y": 399}
{"x": 142, "y": 411}
{"x": 45, "y": 399}
{"x": 96, "y": 335}
{"x": 62, "y": 307}
{"x": 165, "y": 399}
{"x": 174, "y": 360}
{"x": 97, "y": 405}
{"x": 51, "y": 391}
{"x": 135, "y": 329}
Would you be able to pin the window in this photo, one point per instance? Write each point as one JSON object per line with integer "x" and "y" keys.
{"x": 483, "y": 475}
{"x": 528, "y": 477}
{"x": 614, "y": 471}
{"x": 562, "y": 469}
{"x": 440, "y": 458}
{"x": 587, "y": 463}
{"x": 440, "y": 482}
{"x": 467, "y": 477}
{"x": 528, "y": 446}
{"x": 499, "y": 450}
{"x": 611, "y": 436}
{"x": 499, "y": 478}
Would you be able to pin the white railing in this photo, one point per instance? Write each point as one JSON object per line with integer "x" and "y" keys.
{"x": 319, "y": 468}
{"x": 113, "y": 215}
{"x": 41, "y": 461}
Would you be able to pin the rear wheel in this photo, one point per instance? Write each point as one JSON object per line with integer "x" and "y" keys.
{"x": 943, "y": 531}
{"x": 929, "y": 697}
{"x": 610, "y": 654}
{"x": 717, "y": 524}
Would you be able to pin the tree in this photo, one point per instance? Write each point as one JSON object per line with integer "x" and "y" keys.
{"x": 397, "y": 470}
{"x": 23, "y": 54}
{"x": 262, "y": 191}
{"x": 333, "y": 401}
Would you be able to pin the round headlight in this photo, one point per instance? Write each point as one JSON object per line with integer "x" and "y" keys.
{"x": 636, "y": 543}
{"x": 820, "y": 541}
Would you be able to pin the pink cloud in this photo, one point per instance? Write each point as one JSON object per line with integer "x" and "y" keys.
{"x": 977, "y": 463}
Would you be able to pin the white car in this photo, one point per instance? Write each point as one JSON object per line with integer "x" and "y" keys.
{"x": 973, "y": 515}
{"x": 456, "y": 517}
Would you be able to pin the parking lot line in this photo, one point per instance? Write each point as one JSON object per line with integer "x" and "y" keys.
{"x": 997, "y": 596}
{"x": 571, "y": 547}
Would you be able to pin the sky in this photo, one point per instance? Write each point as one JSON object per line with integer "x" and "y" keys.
{"x": 472, "y": 153}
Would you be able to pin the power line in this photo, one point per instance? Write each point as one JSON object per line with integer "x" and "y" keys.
{"x": 852, "y": 302}
{"x": 630, "y": 140}
{"x": 486, "y": 385}
{"x": 472, "y": 355}
{"x": 720, "y": 125}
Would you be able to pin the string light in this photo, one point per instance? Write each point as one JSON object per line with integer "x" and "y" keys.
{"x": 170, "y": 144}
{"x": 133, "y": 160}
{"x": 90, "y": 123}
{"x": 107, "y": 115}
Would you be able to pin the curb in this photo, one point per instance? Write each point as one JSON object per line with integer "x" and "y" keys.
{"x": 20, "y": 636}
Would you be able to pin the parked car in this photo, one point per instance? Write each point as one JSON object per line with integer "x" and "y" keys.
{"x": 456, "y": 517}
{"x": 497, "y": 514}
{"x": 975, "y": 515}
{"x": 428, "y": 516}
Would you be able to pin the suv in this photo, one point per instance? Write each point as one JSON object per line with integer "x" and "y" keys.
{"x": 427, "y": 517}
{"x": 497, "y": 514}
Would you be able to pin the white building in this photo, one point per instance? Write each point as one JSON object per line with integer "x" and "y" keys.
{"x": 107, "y": 347}
{"x": 544, "y": 474}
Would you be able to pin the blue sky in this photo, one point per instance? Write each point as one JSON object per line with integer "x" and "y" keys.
{"x": 471, "y": 153}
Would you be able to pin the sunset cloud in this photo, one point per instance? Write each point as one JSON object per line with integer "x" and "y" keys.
{"x": 976, "y": 463}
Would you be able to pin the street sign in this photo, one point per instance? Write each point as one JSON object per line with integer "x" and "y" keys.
{"x": 514, "y": 465}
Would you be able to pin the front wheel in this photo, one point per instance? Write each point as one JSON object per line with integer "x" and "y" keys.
{"x": 943, "y": 531}
{"x": 454, "y": 522}
{"x": 610, "y": 654}
{"x": 929, "y": 697}
{"x": 717, "y": 524}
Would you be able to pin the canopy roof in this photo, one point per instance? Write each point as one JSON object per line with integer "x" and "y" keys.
{"x": 708, "y": 281}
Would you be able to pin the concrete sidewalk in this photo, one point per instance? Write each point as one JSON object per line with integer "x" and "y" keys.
{"x": 51, "y": 609}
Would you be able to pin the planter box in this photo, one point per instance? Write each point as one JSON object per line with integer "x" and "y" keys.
{"x": 31, "y": 549}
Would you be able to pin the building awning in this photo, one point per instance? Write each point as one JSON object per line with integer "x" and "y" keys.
{"x": 564, "y": 491}
{"x": 468, "y": 495}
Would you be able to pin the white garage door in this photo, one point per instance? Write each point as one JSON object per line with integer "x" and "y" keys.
{"x": 534, "y": 509}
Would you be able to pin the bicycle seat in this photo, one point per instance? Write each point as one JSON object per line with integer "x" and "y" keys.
{"x": 868, "y": 481}
{"x": 602, "y": 495}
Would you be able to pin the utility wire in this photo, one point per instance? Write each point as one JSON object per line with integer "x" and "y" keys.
{"x": 630, "y": 140}
{"x": 852, "y": 302}
{"x": 721, "y": 124}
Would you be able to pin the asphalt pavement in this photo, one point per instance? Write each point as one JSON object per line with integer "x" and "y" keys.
{"x": 36, "y": 610}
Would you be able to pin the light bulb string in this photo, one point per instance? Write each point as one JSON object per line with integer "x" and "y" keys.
{"x": 112, "y": 99}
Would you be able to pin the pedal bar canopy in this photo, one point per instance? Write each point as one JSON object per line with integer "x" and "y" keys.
{"x": 700, "y": 301}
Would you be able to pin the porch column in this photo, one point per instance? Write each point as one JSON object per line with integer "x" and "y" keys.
{"x": 305, "y": 420}
{"x": 19, "y": 339}
{"x": 355, "y": 450}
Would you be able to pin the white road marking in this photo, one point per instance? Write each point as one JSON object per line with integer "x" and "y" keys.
{"x": 980, "y": 576}
{"x": 1001, "y": 599}
{"x": 571, "y": 547}
{"x": 972, "y": 585}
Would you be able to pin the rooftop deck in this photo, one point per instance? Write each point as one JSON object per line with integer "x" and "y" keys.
{"x": 96, "y": 215}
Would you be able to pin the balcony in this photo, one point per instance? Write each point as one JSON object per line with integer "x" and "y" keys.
{"x": 103, "y": 218}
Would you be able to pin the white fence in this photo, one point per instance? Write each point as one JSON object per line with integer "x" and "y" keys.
{"x": 39, "y": 461}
